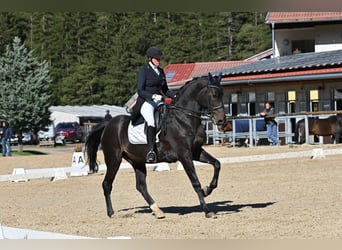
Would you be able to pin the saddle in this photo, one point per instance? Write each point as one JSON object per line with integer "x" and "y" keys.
{"x": 137, "y": 131}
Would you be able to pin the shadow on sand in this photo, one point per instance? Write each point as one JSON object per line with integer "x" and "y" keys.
{"x": 219, "y": 207}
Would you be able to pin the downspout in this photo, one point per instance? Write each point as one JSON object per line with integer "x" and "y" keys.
{"x": 273, "y": 40}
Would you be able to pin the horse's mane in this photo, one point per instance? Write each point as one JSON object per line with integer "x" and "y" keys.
{"x": 188, "y": 84}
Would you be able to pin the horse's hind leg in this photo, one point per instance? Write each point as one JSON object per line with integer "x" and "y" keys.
{"x": 113, "y": 164}
{"x": 141, "y": 186}
{"x": 207, "y": 158}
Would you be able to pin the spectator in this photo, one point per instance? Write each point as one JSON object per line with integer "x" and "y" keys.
{"x": 6, "y": 139}
{"x": 271, "y": 124}
{"x": 108, "y": 116}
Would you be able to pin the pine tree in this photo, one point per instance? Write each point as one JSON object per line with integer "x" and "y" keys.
{"x": 94, "y": 57}
{"x": 25, "y": 94}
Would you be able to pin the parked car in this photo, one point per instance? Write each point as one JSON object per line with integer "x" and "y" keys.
{"x": 27, "y": 138}
{"x": 71, "y": 131}
{"x": 47, "y": 136}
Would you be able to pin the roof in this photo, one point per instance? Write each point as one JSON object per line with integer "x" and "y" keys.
{"x": 302, "y": 61}
{"x": 89, "y": 111}
{"x": 260, "y": 56}
{"x": 178, "y": 74}
{"x": 300, "y": 64}
{"x": 293, "y": 17}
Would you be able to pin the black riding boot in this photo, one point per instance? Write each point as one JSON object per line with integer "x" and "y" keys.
{"x": 151, "y": 156}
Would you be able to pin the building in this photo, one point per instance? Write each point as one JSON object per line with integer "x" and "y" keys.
{"x": 309, "y": 81}
{"x": 301, "y": 32}
{"x": 303, "y": 75}
{"x": 83, "y": 114}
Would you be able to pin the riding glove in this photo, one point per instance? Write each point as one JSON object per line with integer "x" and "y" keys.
{"x": 157, "y": 98}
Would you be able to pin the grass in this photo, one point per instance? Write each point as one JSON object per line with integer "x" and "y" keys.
{"x": 26, "y": 153}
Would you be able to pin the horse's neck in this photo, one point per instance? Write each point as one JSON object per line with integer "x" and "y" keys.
{"x": 189, "y": 97}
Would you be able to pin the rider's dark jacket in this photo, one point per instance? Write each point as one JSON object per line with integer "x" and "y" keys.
{"x": 149, "y": 83}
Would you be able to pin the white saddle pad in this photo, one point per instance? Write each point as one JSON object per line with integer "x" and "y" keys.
{"x": 136, "y": 134}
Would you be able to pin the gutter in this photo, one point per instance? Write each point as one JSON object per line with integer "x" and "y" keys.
{"x": 275, "y": 79}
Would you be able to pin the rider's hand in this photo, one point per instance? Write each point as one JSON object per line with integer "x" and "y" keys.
{"x": 157, "y": 98}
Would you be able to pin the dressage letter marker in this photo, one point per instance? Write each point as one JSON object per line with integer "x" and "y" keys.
{"x": 78, "y": 166}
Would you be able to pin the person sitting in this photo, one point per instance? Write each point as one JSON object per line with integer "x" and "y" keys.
{"x": 151, "y": 85}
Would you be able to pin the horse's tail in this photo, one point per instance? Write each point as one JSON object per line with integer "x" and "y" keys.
{"x": 92, "y": 144}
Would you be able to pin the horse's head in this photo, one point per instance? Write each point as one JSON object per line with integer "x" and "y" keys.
{"x": 215, "y": 99}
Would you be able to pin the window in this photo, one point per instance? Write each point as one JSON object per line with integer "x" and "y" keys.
{"x": 314, "y": 100}
{"x": 303, "y": 46}
{"x": 270, "y": 96}
{"x": 291, "y": 100}
{"x": 234, "y": 98}
{"x": 338, "y": 99}
{"x": 251, "y": 96}
{"x": 291, "y": 96}
{"x": 170, "y": 75}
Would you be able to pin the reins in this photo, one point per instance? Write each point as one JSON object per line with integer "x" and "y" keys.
{"x": 188, "y": 112}
{"x": 198, "y": 114}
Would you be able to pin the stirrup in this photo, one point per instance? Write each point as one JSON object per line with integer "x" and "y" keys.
{"x": 151, "y": 157}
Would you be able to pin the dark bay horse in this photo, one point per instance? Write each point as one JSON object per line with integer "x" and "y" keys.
{"x": 331, "y": 126}
{"x": 182, "y": 141}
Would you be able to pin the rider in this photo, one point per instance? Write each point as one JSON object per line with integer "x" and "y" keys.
{"x": 150, "y": 86}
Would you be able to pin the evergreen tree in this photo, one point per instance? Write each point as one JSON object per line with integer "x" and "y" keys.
{"x": 25, "y": 93}
{"x": 94, "y": 57}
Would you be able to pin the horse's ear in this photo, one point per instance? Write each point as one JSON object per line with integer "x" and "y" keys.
{"x": 211, "y": 79}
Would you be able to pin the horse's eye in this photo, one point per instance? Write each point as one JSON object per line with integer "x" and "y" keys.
{"x": 214, "y": 93}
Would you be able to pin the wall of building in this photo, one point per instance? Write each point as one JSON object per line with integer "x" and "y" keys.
{"x": 324, "y": 37}
{"x": 288, "y": 97}
{"x": 284, "y": 38}
{"x": 328, "y": 37}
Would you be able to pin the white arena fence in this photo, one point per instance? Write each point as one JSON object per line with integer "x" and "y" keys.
{"x": 286, "y": 128}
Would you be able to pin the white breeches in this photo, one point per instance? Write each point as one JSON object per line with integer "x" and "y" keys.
{"x": 147, "y": 111}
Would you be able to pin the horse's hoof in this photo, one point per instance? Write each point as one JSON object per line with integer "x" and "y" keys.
{"x": 157, "y": 212}
{"x": 211, "y": 215}
{"x": 110, "y": 214}
{"x": 206, "y": 191}
{"x": 92, "y": 171}
{"x": 159, "y": 215}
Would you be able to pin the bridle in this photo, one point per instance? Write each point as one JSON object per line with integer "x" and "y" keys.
{"x": 200, "y": 114}
{"x": 212, "y": 109}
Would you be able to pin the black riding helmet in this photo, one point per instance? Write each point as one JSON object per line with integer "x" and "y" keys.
{"x": 154, "y": 52}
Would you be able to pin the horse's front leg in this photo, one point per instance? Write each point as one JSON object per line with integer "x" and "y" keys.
{"x": 189, "y": 168}
{"x": 141, "y": 186}
{"x": 205, "y": 157}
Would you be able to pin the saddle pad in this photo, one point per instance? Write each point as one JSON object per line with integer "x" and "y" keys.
{"x": 136, "y": 134}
